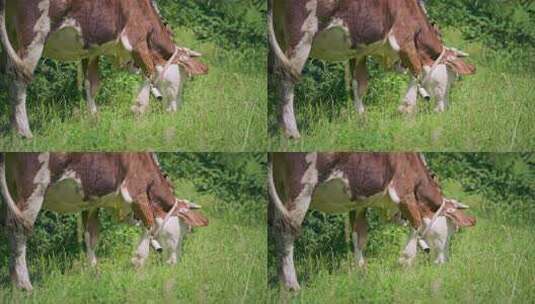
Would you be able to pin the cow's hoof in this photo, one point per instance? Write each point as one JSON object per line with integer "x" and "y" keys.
{"x": 26, "y": 285}
{"x": 407, "y": 109}
{"x": 137, "y": 110}
{"x": 292, "y": 134}
{"x": 406, "y": 262}
{"x": 138, "y": 262}
{"x": 25, "y": 133}
{"x": 439, "y": 109}
{"x": 293, "y": 287}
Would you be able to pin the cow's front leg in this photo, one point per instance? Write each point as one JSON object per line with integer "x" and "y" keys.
{"x": 142, "y": 250}
{"x": 359, "y": 82}
{"x": 359, "y": 225}
{"x": 408, "y": 105}
{"x": 142, "y": 99}
{"x": 91, "y": 232}
{"x": 301, "y": 30}
{"x": 19, "y": 116}
{"x": 91, "y": 82}
{"x": 409, "y": 252}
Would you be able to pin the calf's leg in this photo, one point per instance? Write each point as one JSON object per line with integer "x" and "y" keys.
{"x": 408, "y": 105}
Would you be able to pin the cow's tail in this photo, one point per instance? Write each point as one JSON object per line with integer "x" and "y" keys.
{"x": 275, "y": 199}
{"x": 275, "y": 47}
{"x": 17, "y": 213}
{"x": 20, "y": 67}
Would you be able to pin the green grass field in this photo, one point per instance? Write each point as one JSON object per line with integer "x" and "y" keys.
{"x": 489, "y": 111}
{"x": 221, "y": 111}
{"x": 221, "y": 263}
{"x": 492, "y": 262}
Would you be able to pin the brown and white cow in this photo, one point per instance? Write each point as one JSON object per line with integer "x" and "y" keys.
{"x": 354, "y": 182}
{"x": 390, "y": 30}
{"x": 73, "y": 182}
{"x": 126, "y": 30}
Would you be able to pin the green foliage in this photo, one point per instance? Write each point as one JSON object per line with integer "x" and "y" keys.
{"x": 233, "y": 24}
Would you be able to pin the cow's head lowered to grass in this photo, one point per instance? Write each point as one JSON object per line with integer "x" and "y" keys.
{"x": 170, "y": 76}
{"x": 438, "y": 228}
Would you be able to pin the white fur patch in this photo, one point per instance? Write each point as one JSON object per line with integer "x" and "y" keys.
{"x": 126, "y": 195}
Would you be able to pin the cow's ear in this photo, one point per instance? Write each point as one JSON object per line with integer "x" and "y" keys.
{"x": 460, "y": 218}
{"x": 460, "y": 66}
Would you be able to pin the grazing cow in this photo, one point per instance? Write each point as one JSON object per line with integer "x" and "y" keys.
{"x": 390, "y": 30}
{"x": 126, "y": 30}
{"x": 73, "y": 182}
{"x": 353, "y": 182}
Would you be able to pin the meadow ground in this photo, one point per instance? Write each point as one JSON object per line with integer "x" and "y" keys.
{"x": 221, "y": 111}
{"x": 221, "y": 263}
{"x": 493, "y": 262}
{"x": 489, "y": 111}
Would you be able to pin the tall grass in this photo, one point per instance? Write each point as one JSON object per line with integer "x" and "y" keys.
{"x": 221, "y": 111}
{"x": 489, "y": 111}
{"x": 492, "y": 262}
{"x": 221, "y": 263}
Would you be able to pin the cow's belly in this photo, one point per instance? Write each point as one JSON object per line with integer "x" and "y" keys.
{"x": 334, "y": 197}
{"x": 67, "y": 196}
{"x": 333, "y": 43}
{"x": 67, "y": 44}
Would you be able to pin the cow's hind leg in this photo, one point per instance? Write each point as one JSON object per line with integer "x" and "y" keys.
{"x": 301, "y": 31}
{"x": 17, "y": 262}
{"x": 359, "y": 82}
{"x": 91, "y": 232}
{"x": 359, "y": 225}
{"x": 91, "y": 82}
{"x": 32, "y": 47}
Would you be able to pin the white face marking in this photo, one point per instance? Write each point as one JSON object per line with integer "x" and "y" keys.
{"x": 170, "y": 83}
{"x": 170, "y": 237}
{"x": 438, "y": 235}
